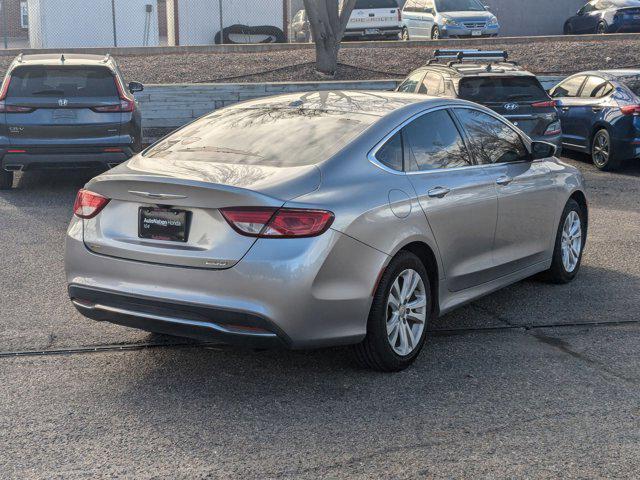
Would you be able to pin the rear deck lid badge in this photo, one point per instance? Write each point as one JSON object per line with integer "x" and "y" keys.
{"x": 511, "y": 106}
{"x": 63, "y": 102}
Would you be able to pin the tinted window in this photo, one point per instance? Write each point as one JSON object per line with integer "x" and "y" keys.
{"x": 491, "y": 140}
{"x": 62, "y": 82}
{"x": 569, "y": 88}
{"x": 459, "y": 5}
{"x": 410, "y": 84}
{"x": 589, "y": 7}
{"x": 502, "y": 89}
{"x": 390, "y": 154}
{"x": 277, "y": 136}
{"x": 433, "y": 84}
{"x": 596, "y": 87}
{"x": 433, "y": 142}
{"x": 369, "y": 4}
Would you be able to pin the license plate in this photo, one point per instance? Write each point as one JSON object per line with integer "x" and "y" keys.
{"x": 371, "y": 31}
{"x": 163, "y": 224}
{"x": 476, "y": 33}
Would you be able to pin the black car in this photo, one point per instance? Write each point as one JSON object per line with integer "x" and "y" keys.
{"x": 66, "y": 111}
{"x": 605, "y": 16}
{"x": 600, "y": 114}
{"x": 487, "y": 78}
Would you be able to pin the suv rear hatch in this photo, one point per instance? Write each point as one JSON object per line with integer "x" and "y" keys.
{"x": 64, "y": 106}
{"x": 369, "y": 15}
{"x": 235, "y": 157}
{"x": 521, "y": 99}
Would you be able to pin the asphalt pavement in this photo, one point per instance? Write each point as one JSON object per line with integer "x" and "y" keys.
{"x": 533, "y": 381}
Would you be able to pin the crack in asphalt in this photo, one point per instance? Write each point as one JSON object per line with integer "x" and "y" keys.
{"x": 529, "y": 329}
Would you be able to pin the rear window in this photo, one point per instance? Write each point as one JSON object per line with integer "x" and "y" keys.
{"x": 66, "y": 82}
{"x": 487, "y": 90}
{"x": 372, "y": 4}
{"x": 279, "y": 137}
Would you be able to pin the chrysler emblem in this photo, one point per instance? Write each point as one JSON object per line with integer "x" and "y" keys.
{"x": 511, "y": 106}
{"x": 63, "y": 102}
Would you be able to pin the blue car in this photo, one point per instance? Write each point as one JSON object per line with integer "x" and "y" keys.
{"x": 600, "y": 115}
{"x": 605, "y": 16}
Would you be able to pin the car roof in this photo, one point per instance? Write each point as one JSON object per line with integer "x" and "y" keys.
{"x": 59, "y": 59}
{"x": 466, "y": 69}
{"x": 376, "y": 103}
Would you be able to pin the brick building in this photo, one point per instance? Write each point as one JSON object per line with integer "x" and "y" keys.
{"x": 14, "y": 14}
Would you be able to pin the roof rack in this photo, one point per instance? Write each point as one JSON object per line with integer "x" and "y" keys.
{"x": 472, "y": 55}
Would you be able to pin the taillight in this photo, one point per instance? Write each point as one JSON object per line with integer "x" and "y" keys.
{"x": 630, "y": 110}
{"x": 265, "y": 222}
{"x": 545, "y": 104}
{"x": 5, "y": 88}
{"x": 88, "y": 204}
{"x": 127, "y": 103}
{"x": 4, "y": 108}
{"x": 553, "y": 129}
{"x": 399, "y": 15}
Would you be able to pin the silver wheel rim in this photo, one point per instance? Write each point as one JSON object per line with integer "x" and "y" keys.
{"x": 436, "y": 34}
{"x": 405, "y": 35}
{"x": 406, "y": 312}
{"x": 601, "y": 150}
{"x": 571, "y": 241}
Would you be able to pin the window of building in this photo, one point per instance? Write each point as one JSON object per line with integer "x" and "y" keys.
{"x": 24, "y": 15}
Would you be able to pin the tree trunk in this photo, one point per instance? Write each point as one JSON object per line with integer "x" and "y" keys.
{"x": 327, "y": 57}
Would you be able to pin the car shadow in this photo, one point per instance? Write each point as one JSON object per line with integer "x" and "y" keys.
{"x": 629, "y": 168}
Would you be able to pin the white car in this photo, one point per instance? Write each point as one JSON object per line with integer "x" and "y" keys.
{"x": 374, "y": 19}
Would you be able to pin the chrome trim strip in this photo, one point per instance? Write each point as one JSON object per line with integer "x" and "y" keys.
{"x": 159, "y": 196}
{"x": 174, "y": 320}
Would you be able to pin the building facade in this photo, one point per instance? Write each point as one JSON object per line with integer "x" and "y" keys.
{"x": 14, "y": 18}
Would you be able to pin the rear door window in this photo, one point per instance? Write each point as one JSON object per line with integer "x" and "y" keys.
{"x": 491, "y": 140}
{"x": 433, "y": 142}
{"x": 596, "y": 87}
{"x": 569, "y": 88}
{"x": 62, "y": 82}
{"x": 502, "y": 89}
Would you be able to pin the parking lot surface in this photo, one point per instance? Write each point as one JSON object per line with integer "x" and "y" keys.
{"x": 535, "y": 380}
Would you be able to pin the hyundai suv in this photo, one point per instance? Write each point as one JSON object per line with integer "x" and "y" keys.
{"x": 66, "y": 111}
{"x": 488, "y": 78}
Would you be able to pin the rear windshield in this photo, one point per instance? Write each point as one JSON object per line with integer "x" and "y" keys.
{"x": 632, "y": 82}
{"x": 67, "y": 82}
{"x": 502, "y": 89}
{"x": 459, "y": 6}
{"x": 279, "y": 137}
{"x": 370, "y": 4}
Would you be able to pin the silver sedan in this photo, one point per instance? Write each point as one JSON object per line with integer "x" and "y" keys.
{"x": 333, "y": 218}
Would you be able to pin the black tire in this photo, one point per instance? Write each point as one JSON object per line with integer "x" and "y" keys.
{"x": 435, "y": 33}
{"x": 375, "y": 352}
{"x": 603, "y": 155}
{"x": 6, "y": 179}
{"x": 568, "y": 29}
{"x": 404, "y": 35}
{"x": 558, "y": 274}
{"x": 601, "y": 29}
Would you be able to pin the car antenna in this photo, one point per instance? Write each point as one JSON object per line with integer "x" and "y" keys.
{"x": 106, "y": 58}
{"x": 19, "y": 59}
{"x": 62, "y": 59}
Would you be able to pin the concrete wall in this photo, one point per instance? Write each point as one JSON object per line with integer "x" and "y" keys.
{"x": 533, "y": 17}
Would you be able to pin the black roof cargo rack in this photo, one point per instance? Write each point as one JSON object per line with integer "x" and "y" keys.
{"x": 474, "y": 55}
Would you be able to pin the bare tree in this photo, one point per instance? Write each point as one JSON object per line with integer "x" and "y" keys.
{"x": 328, "y": 23}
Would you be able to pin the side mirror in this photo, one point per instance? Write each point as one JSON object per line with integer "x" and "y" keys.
{"x": 135, "y": 87}
{"x": 540, "y": 150}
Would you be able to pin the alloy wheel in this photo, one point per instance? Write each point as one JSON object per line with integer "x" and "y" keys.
{"x": 602, "y": 29}
{"x": 435, "y": 34}
{"x": 406, "y": 312}
{"x": 571, "y": 241}
{"x": 405, "y": 35}
{"x": 601, "y": 150}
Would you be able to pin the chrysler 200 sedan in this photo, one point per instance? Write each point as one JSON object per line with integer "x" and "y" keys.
{"x": 323, "y": 219}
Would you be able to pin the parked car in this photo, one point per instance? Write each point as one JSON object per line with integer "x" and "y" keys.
{"x": 605, "y": 16}
{"x": 370, "y": 20}
{"x": 600, "y": 114}
{"x": 319, "y": 219}
{"x": 66, "y": 111}
{"x": 487, "y": 78}
{"x": 447, "y": 19}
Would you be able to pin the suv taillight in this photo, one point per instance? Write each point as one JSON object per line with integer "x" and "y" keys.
{"x": 127, "y": 103}
{"x": 399, "y": 15}
{"x": 266, "y": 222}
{"x": 4, "y": 108}
{"x": 88, "y": 204}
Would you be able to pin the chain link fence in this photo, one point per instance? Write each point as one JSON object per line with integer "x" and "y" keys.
{"x": 59, "y": 24}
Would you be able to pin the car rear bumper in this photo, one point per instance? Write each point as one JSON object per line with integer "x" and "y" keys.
{"x": 20, "y": 158}
{"x": 298, "y": 293}
{"x": 381, "y": 32}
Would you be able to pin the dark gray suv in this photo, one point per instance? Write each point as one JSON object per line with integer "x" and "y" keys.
{"x": 66, "y": 111}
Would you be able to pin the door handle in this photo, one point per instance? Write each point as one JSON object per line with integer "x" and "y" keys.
{"x": 504, "y": 180}
{"x": 439, "y": 192}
